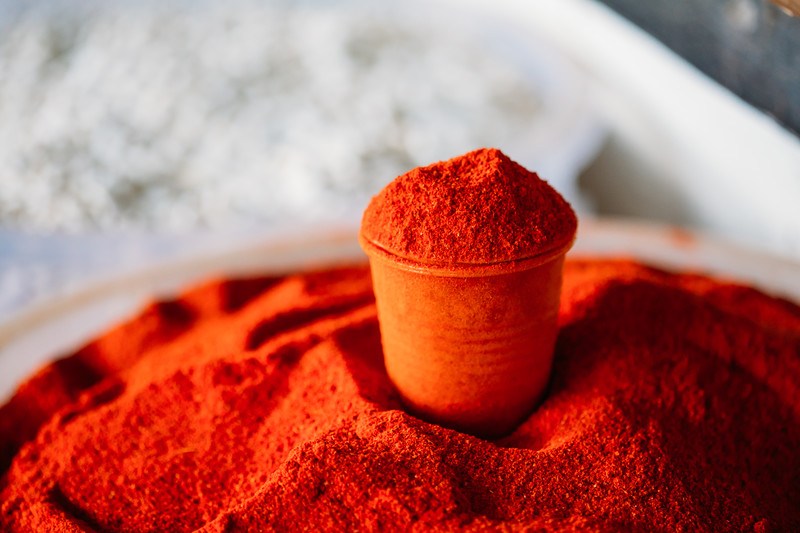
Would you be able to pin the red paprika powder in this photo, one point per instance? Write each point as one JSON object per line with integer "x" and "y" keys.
{"x": 263, "y": 404}
{"x": 478, "y": 208}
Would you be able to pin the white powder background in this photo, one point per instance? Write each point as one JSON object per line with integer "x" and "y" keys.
{"x": 180, "y": 116}
{"x": 126, "y": 128}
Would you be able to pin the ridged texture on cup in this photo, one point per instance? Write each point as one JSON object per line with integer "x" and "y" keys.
{"x": 472, "y": 353}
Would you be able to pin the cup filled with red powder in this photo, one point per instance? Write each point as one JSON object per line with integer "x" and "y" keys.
{"x": 466, "y": 258}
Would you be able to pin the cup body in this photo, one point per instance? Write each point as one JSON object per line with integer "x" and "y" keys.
{"x": 469, "y": 348}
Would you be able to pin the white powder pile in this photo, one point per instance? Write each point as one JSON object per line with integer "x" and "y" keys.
{"x": 189, "y": 115}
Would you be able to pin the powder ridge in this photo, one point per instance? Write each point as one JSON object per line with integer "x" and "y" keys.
{"x": 250, "y": 405}
{"x": 481, "y": 207}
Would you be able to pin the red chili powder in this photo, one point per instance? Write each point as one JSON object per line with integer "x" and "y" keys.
{"x": 264, "y": 405}
{"x": 443, "y": 214}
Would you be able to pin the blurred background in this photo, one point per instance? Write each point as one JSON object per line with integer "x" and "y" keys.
{"x": 135, "y": 132}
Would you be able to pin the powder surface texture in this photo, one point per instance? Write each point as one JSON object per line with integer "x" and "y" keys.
{"x": 263, "y": 404}
{"x": 442, "y": 214}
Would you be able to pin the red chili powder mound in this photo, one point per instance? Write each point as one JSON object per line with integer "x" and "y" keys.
{"x": 263, "y": 405}
{"x": 442, "y": 214}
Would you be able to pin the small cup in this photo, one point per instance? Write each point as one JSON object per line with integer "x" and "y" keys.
{"x": 468, "y": 346}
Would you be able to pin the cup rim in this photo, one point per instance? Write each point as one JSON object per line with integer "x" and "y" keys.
{"x": 461, "y": 269}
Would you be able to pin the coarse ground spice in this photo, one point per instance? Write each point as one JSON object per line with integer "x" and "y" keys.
{"x": 480, "y": 207}
{"x": 263, "y": 404}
